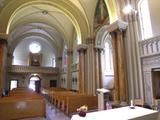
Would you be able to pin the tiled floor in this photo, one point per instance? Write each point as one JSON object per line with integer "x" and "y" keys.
{"x": 55, "y": 114}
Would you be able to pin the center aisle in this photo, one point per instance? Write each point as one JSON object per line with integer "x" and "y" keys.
{"x": 52, "y": 113}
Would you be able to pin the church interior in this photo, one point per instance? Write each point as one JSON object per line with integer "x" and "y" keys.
{"x": 67, "y": 53}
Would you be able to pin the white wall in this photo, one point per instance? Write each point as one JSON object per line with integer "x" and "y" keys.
{"x": 23, "y": 79}
{"x": 154, "y": 6}
{"x": 108, "y": 81}
{"x": 21, "y": 52}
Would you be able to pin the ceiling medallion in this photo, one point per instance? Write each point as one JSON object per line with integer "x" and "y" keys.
{"x": 44, "y": 12}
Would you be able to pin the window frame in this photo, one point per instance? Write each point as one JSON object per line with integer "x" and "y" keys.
{"x": 141, "y": 23}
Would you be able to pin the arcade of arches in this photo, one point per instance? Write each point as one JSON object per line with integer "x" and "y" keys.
{"x": 81, "y": 45}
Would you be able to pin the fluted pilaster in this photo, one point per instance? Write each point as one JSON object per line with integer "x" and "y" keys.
{"x": 98, "y": 67}
{"x": 117, "y": 30}
{"x": 69, "y": 67}
{"x": 82, "y": 50}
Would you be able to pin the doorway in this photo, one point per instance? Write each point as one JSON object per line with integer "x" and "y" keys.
{"x": 13, "y": 84}
{"x": 156, "y": 83}
{"x": 53, "y": 83}
{"x": 35, "y": 83}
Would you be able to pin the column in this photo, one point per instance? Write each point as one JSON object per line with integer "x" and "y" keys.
{"x": 69, "y": 67}
{"x": 3, "y": 62}
{"x": 133, "y": 60}
{"x": 98, "y": 67}
{"x": 122, "y": 78}
{"x": 90, "y": 66}
{"x": 59, "y": 65}
{"x": 116, "y": 95}
{"x": 117, "y": 30}
{"x": 82, "y": 49}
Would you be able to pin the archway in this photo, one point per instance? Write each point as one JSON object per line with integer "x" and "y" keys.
{"x": 35, "y": 83}
{"x": 103, "y": 41}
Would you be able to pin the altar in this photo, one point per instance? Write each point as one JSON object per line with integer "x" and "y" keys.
{"x": 123, "y": 113}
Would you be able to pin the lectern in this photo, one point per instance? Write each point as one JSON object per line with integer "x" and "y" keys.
{"x": 103, "y": 98}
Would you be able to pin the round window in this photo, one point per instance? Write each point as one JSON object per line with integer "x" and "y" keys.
{"x": 35, "y": 47}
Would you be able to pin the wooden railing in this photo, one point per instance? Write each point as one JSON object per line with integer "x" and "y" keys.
{"x": 32, "y": 69}
{"x": 150, "y": 46}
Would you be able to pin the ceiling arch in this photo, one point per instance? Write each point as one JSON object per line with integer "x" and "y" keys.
{"x": 14, "y": 43}
{"x": 38, "y": 28}
{"x": 72, "y": 12}
{"x": 78, "y": 13}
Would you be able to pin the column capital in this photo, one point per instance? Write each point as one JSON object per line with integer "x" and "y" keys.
{"x": 82, "y": 47}
{"x": 117, "y": 25}
{"x": 98, "y": 48}
{"x": 3, "y": 38}
{"x": 69, "y": 51}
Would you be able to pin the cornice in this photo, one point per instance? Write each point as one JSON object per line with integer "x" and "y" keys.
{"x": 117, "y": 25}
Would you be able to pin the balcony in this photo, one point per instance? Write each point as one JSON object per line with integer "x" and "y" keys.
{"x": 32, "y": 69}
{"x": 150, "y": 47}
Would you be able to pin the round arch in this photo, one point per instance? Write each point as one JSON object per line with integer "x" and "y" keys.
{"x": 101, "y": 36}
{"x": 17, "y": 40}
{"x": 35, "y": 83}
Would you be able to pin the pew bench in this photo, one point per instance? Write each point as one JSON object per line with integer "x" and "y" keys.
{"x": 74, "y": 102}
{"x": 22, "y": 104}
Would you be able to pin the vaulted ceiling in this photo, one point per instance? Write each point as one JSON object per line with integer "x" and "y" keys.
{"x": 56, "y": 21}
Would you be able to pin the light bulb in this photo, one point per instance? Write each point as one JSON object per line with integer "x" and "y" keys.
{"x": 127, "y": 9}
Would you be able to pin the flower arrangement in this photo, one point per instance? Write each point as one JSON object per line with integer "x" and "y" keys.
{"x": 82, "y": 110}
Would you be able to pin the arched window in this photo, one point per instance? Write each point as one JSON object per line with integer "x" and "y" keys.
{"x": 145, "y": 20}
{"x": 65, "y": 56}
{"x": 107, "y": 57}
{"x": 75, "y": 52}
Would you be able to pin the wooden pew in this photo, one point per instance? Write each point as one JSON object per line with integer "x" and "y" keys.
{"x": 60, "y": 97}
{"x": 63, "y": 100}
{"x": 75, "y": 101}
{"x": 49, "y": 92}
{"x": 21, "y": 105}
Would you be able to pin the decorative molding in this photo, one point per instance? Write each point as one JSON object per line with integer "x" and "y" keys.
{"x": 150, "y": 47}
{"x": 32, "y": 69}
{"x": 117, "y": 25}
{"x": 148, "y": 64}
{"x": 3, "y": 36}
{"x": 82, "y": 47}
{"x": 99, "y": 47}
{"x": 75, "y": 67}
{"x": 151, "y": 62}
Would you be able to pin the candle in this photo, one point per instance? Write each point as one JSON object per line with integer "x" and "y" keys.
{"x": 131, "y": 102}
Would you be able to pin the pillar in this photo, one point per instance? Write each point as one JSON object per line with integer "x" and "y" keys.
{"x": 3, "y": 62}
{"x": 82, "y": 50}
{"x": 69, "y": 67}
{"x": 98, "y": 67}
{"x": 59, "y": 65}
{"x": 117, "y": 30}
{"x": 90, "y": 66}
{"x": 133, "y": 60}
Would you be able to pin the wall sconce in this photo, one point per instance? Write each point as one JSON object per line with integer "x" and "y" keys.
{"x": 128, "y": 9}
